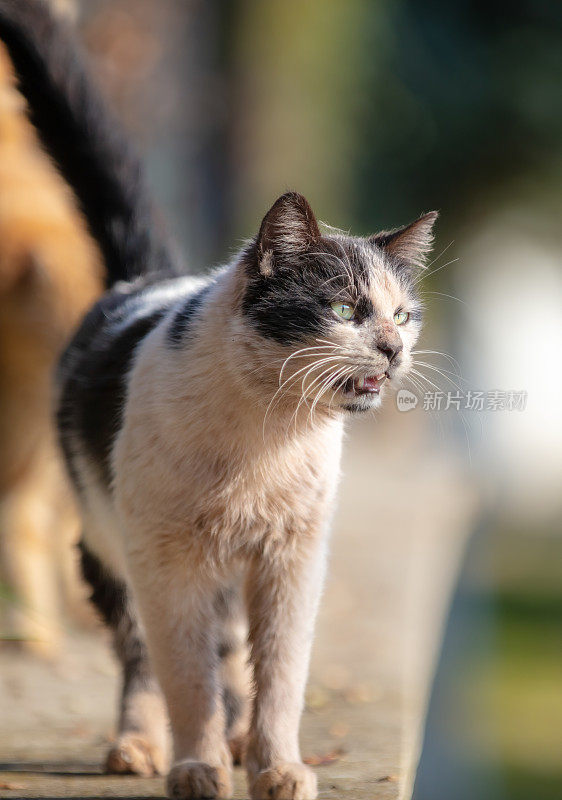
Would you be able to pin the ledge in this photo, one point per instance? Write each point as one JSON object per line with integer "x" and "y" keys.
{"x": 398, "y": 535}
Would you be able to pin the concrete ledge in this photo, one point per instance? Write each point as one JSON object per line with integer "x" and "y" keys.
{"x": 398, "y": 536}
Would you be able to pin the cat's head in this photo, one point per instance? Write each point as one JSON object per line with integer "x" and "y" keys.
{"x": 338, "y": 315}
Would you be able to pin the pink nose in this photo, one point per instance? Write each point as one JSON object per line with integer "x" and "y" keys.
{"x": 390, "y": 348}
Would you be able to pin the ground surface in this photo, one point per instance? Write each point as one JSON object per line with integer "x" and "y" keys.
{"x": 401, "y": 521}
{"x": 60, "y": 720}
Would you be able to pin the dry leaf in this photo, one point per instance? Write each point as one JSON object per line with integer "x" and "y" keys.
{"x": 339, "y": 729}
{"x": 361, "y": 693}
{"x": 324, "y": 759}
{"x": 316, "y": 698}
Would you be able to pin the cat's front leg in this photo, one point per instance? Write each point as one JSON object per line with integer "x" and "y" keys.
{"x": 177, "y": 602}
{"x": 283, "y": 594}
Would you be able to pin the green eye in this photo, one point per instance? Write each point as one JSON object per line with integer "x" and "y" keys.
{"x": 343, "y": 310}
{"x": 401, "y": 317}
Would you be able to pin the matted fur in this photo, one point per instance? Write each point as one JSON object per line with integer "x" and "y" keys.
{"x": 202, "y": 425}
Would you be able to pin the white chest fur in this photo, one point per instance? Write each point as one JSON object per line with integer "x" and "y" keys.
{"x": 194, "y": 464}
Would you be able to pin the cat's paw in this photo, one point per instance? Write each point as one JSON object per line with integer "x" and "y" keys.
{"x": 285, "y": 782}
{"x": 194, "y": 780}
{"x": 135, "y": 755}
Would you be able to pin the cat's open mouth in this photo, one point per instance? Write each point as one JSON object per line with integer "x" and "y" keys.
{"x": 367, "y": 384}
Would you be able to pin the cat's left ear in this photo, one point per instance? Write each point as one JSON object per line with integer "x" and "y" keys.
{"x": 288, "y": 230}
{"x": 410, "y": 244}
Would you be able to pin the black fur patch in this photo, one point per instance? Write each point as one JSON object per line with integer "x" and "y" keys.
{"x": 180, "y": 327}
{"x": 293, "y": 302}
{"x": 225, "y": 649}
{"x": 94, "y": 390}
{"x": 109, "y": 596}
{"x": 233, "y": 706}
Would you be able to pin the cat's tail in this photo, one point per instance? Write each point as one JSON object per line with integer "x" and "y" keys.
{"x": 84, "y": 141}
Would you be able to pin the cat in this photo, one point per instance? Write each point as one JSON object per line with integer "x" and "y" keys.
{"x": 201, "y": 421}
{"x": 50, "y": 274}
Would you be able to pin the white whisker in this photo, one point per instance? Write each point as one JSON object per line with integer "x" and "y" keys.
{"x": 326, "y": 384}
{"x": 441, "y": 372}
{"x": 453, "y": 361}
{"x": 431, "y": 263}
{"x": 426, "y": 379}
{"x": 288, "y": 382}
{"x": 433, "y": 271}
{"x": 305, "y": 392}
{"x": 450, "y": 296}
{"x": 305, "y": 350}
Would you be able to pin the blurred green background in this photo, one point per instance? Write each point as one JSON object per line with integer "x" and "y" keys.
{"x": 378, "y": 111}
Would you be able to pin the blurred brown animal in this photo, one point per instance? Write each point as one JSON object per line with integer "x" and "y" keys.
{"x": 50, "y": 273}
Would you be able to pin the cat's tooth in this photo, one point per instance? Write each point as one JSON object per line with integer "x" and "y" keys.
{"x": 381, "y": 376}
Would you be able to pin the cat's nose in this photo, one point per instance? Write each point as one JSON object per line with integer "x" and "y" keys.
{"x": 390, "y": 348}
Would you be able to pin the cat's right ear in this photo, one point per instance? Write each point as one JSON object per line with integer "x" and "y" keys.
{"x": 411, "y": 243}
{"x": 288, "y": 230}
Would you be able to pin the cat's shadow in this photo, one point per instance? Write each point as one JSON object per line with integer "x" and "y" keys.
{"x": 14, "y": 772}
{"x": 54, "y": 768}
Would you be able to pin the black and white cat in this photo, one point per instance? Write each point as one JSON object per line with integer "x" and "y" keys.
{"x": 201, "y": 421}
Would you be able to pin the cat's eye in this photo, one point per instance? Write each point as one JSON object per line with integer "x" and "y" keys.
{"x": 401, "y": 317}
{"x": 343, "y": 310}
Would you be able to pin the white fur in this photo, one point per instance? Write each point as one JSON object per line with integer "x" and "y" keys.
{"x": 207, "y": 485}
{"x": 153, "y": 298}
